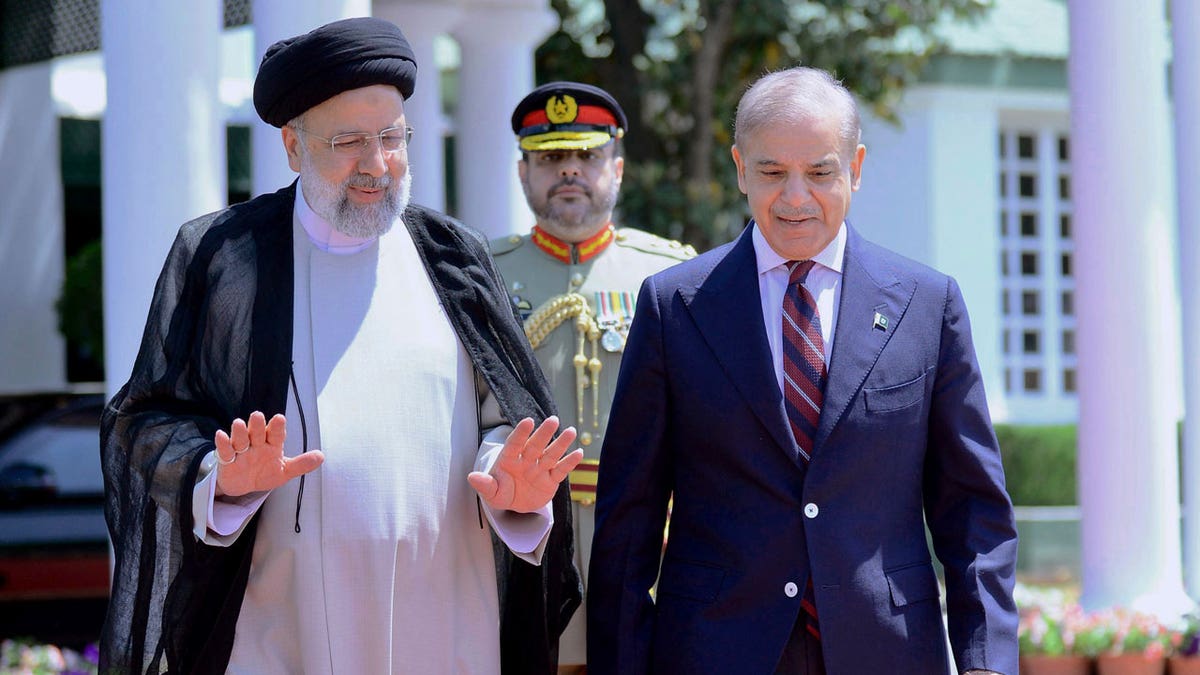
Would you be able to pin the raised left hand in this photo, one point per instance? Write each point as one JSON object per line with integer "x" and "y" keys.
{"x": 530, "y": 467}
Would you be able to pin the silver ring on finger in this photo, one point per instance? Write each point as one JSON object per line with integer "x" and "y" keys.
{"x": 238, "y": 452}
{"x": 226, "y": 462}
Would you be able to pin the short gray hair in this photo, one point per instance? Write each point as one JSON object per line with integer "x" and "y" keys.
{"x": 797, "y": 93}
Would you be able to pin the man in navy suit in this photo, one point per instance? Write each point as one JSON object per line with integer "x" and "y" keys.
{"x": 810, "y": 419}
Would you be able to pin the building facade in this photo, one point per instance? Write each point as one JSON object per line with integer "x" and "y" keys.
{"x": 975, "y": 180}
{"x": 168, "y": 86}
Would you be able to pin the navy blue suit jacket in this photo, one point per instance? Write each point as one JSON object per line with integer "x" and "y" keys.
{"x": 904, "y": 440}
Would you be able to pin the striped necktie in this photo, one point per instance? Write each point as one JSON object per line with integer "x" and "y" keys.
{"x": 803, "y": 359}
{"x": 804, "y": 378}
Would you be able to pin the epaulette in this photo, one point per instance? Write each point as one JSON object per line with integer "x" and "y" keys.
{"x": 507, "y": 244}
{"x": 646, "y": 242}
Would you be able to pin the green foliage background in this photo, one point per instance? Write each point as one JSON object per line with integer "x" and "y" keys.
{"x": 678, "y": 68}
{"x": 80, "y": 304}
{"x": 1039, "y": 463}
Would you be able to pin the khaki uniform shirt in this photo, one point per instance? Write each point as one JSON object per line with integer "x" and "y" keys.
{"x": 608, "y": 285}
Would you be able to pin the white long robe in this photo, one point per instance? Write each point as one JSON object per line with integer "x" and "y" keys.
{"x": 393, "y": 571}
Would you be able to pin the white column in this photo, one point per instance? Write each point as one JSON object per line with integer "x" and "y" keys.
{"x": 275, "y": 20}
{"x": 163, "y": 151}
{"x": 31, "y": 233}
{"x": 1128, "y": 474}
{"x": 497, "y": 45}
{"x": 1185, "y": 21}
{"x": 421, "y": 23}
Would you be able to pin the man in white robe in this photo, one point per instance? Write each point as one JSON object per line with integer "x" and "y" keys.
{"x": 352, "y": 532}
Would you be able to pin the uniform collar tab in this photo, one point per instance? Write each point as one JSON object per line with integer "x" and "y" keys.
{"x": 573, "y": 253}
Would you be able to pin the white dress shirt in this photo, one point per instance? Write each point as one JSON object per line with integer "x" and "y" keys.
{"x": 824, "y": 282}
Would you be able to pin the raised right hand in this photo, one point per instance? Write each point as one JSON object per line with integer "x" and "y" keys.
{"x": 250, "y": 457}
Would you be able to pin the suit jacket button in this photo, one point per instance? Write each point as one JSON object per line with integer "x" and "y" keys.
{"x": 790, "y": 589}
{"x": 811, "y": 510}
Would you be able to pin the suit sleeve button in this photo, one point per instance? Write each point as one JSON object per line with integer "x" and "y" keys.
{"x": 790, "y": 589}
{"x": 811, "y": 510}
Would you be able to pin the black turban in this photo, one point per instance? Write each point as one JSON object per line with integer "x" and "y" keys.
{"x": 301, "y": 72}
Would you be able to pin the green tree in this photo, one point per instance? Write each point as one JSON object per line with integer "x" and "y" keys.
{"x": 678, "y": 67}
{"x": 80, "y": 308}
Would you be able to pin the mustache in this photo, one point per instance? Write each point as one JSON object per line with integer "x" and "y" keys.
{"x": 568, "y": 182}
{"x": 797, "y": 214}
{"x": 369, "y": 182}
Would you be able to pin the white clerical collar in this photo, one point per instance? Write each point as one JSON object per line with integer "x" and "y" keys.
{"x": 832, "y": 256}
{"x": 322, "y": 234}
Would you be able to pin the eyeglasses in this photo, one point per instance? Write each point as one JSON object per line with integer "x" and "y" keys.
{"x": 392, "y": 139}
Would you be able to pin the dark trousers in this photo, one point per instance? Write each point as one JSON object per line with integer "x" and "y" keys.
{"x": 802, "y": 655}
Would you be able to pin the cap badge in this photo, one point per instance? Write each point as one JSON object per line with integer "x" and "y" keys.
{"x": 562, "y": 109}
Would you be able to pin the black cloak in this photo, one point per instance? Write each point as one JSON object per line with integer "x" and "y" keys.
{"x": 217, "y": 346}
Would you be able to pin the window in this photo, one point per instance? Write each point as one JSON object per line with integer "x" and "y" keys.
{"x": 1027, "y": 185}
{"x": 1029, "y": 264}
{"x": 1029, "y": 224}
{"x": 1029, "y": 303}
{"x": 1026, "y": 147}
{"x": 1030, "y": 342}
{"x": 1037, "y": 264}
{"x": 1032, "y": 379}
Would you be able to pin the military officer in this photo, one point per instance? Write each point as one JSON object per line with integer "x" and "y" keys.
{"x": 574, "y": 278}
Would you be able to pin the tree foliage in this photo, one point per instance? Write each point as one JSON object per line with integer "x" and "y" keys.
{"x": 678, "y": 67}
{"x": 80, "y": 304}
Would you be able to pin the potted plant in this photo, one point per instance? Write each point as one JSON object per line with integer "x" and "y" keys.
{"x": 1184, "y": 657}
{"x": 1135, "y": 643}
{"x": 1048, "y": 638}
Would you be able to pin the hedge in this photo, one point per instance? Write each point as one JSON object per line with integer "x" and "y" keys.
{"x": 1039, "y": 463}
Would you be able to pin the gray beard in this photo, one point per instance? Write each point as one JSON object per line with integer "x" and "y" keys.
{"x": 365, "y": 221}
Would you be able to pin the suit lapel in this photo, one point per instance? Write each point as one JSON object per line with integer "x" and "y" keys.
{"x": 869, "y": 287}
{"x": 727, "y": 309}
